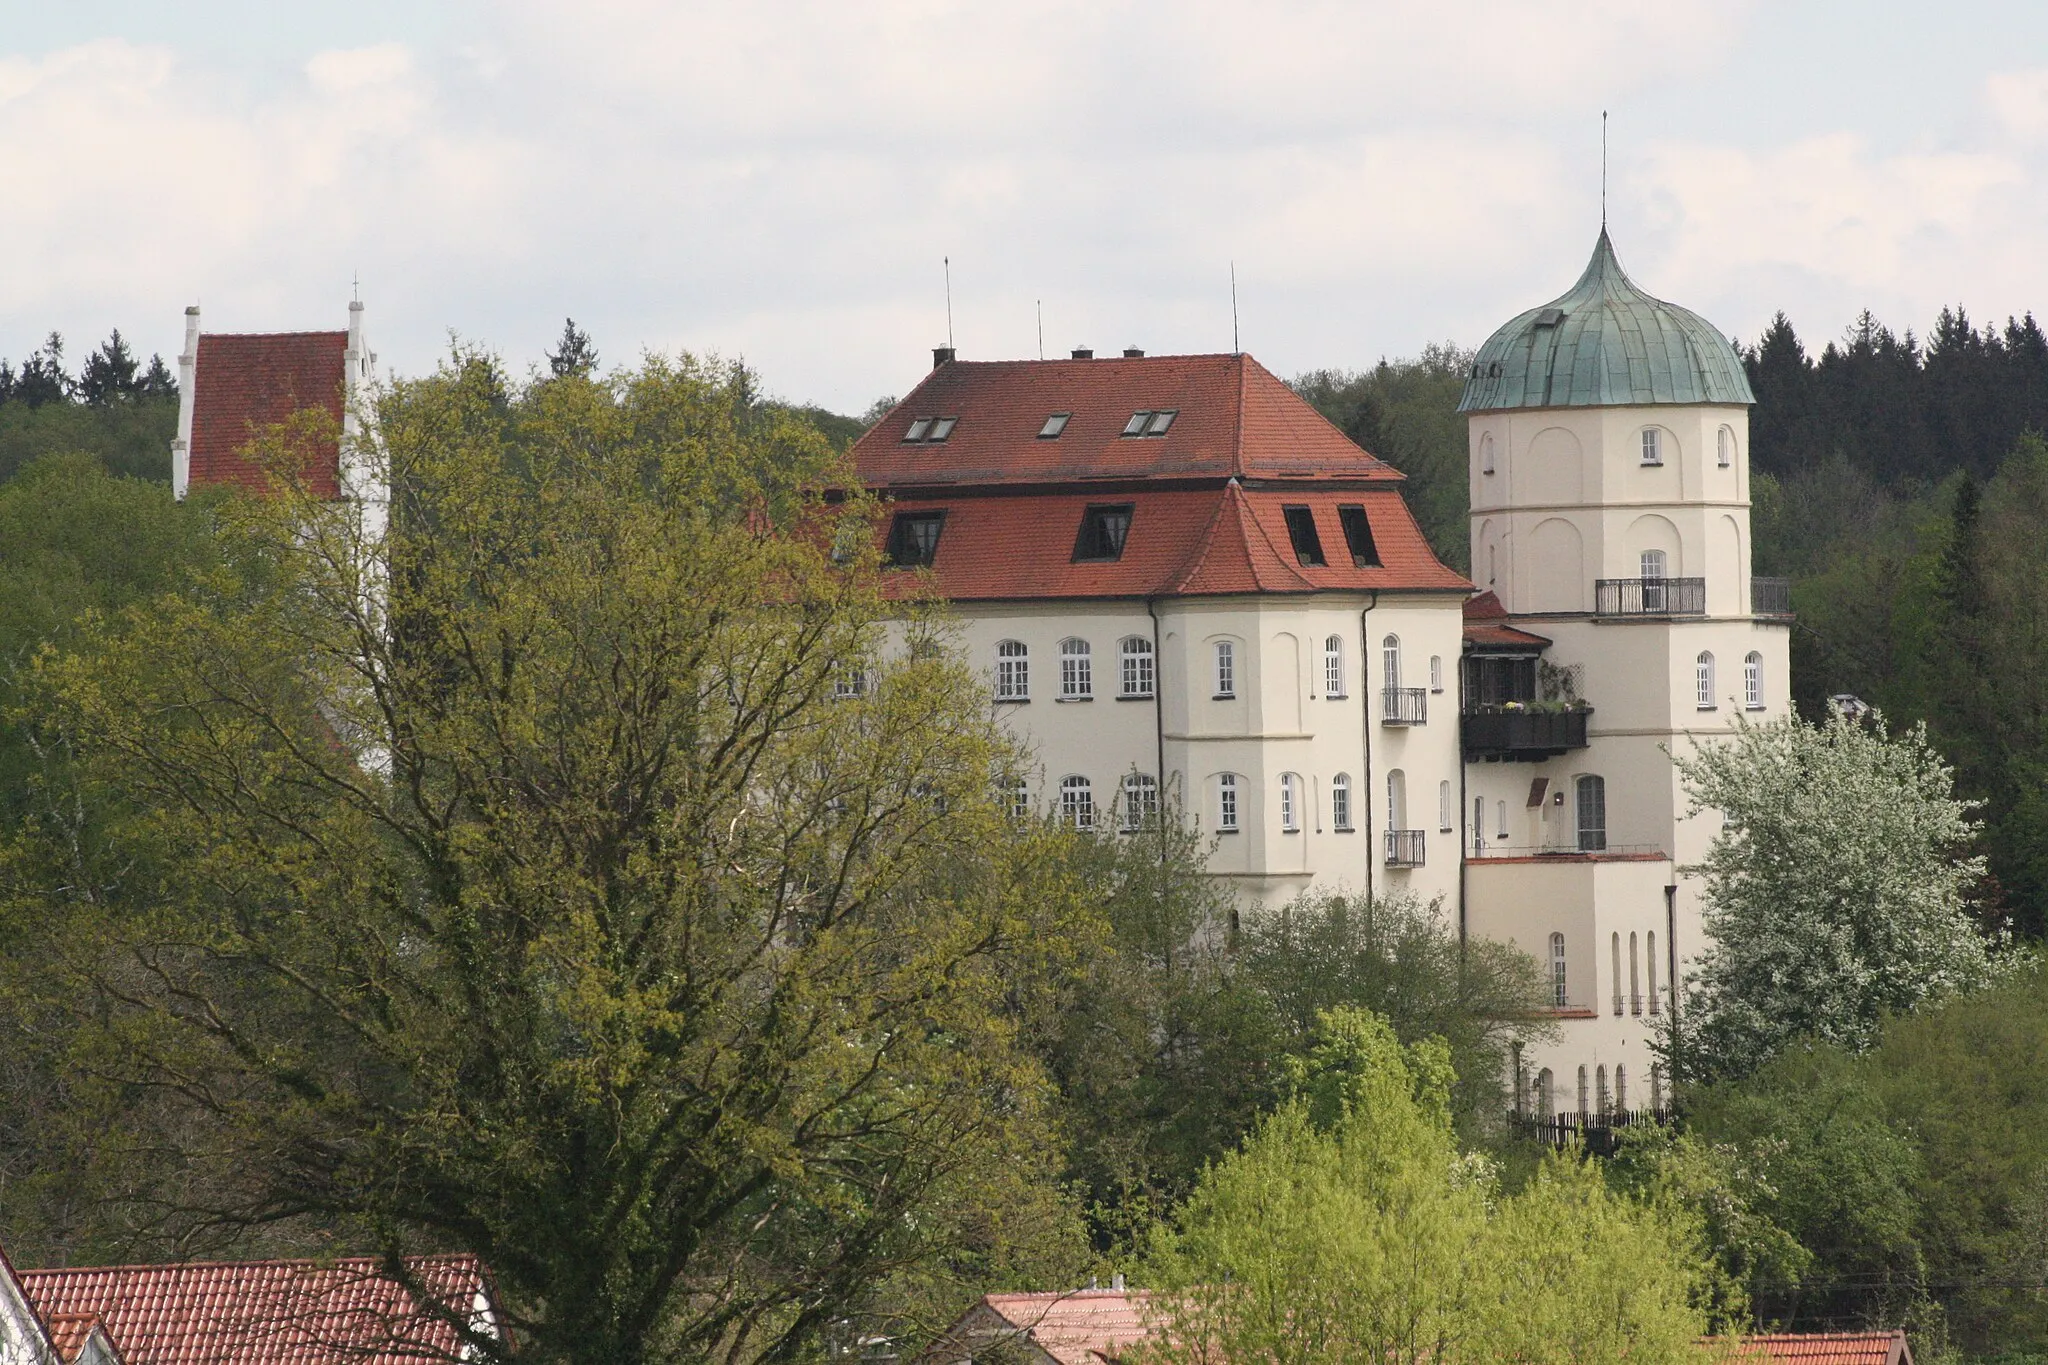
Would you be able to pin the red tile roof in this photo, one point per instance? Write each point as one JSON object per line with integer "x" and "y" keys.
{"x": 1182, "y": 542}
{"x": 265, "y": 1312}
{"x": 1827, "y": 1348}
{"x": 1235, "y": 418}
{"x": 248, "y": 381}
{"x": 1486, "y": 626}
{"x": 1085, "y": 1327}
{"x": 69, "y": 1332}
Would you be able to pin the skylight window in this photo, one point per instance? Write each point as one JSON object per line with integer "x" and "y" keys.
{"x": 1358, "y": 537}
{"x": 1054, "y": 425}
{"x": 918, "y": 429}
{"x": 1103, "y": 530}
{"x": 930, "y": 429}
{"x": 943, "y": 428}
{"x": 914, "y": 539}
{"x": 1301, "y": 529}
{"x": 1150, "y": 421}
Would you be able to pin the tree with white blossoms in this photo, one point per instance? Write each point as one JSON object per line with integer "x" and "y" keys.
{"x": 1835, "y": 892}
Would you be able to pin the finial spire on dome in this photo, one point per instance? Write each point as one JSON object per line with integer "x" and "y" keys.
{"x": 1603, "y": 174}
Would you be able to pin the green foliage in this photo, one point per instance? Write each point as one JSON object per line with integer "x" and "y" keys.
{"x": 560, "y": 912}
{"x": 1833, "y": 891}
{"x": 1916, "y": 1173}
{"x": 131, "y": 438}
{"x": 1406, "y": 412}
{"x": 1399, "y": 957}
{"x": 1348, "y": 1227}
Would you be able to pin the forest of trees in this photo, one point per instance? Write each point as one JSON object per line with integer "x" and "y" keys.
{"x": 115, "y": 407}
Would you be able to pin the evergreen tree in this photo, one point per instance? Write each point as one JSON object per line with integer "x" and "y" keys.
{"x": 573, "y": 354}
{"x": 42, "y": 378}
{"x": 156, "y": 381}
{"x": 109, "y": 373}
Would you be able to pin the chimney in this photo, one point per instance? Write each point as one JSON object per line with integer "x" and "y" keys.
{"x": 1083, "y": 353}
{"x": 941, "y": 355}
{"x": 1116, "y": 1281}
{"x": 1134, "y": 353}
{"x": 188, "y": 374}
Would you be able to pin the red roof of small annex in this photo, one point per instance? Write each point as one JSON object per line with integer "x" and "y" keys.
{"x": 69, "y": 1332}
{"x": 1234, "y": 418}
{"x": 1182, "y": 542}
{"x": 244, "y": 382}
{"x": 1085, "y": 1327}
{"x": 1486, "y": 626}
{"x": 265, "y": 1312}
{"x": 1828, "y": 1348}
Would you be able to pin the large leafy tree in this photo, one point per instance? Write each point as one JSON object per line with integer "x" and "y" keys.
{"x": 520, "y": 883}
{"x": 1835, "y": 891}
{"x": 1349, "y": 1228}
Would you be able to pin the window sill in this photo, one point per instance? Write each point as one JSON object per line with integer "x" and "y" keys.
{"x": 1073, "y": 699}
{"x": 1226, "y": 831}
{"x": 1224, "y": 696}
{"x": 1013, "y": 701}
{"x": 1756, "y": 706}
{"x": 1706, "y": 708}
{"x": 1136, "y": 696}
{"x": 1336, "y": 696}
{"x": 1343, "y": 829}
{"x": 1290, "y": 831}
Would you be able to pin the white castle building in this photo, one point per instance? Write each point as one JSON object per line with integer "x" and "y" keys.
{"x": 1178, "y": 577}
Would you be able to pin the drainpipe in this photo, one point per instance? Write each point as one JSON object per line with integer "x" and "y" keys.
{"x": 1159, "y": 716}
{"x": 1368, "y": 793}
{"x": 1466, "y": 835}
{"x": 1671, "y": 973}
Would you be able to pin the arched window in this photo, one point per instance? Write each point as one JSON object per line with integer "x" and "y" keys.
{"x": 1226, "y": 802}
{"x": 1724, "y": 447}
{"x": 1486, "y": 453}
{"x": 1077, "y": 671}
{"x": 1654, "y": 567}
{"x": 1753, "y": 681}
{"x": 1290, "y": 803}
{"x": 1013, "y": 671}
{"x": 1015, "y": 797}
{"x": 1141, "y": 800}
{"x": 1703, "y": 680}
{"x": 1650, "y": 957}
{"x": 1602, "y": 1103}
{"x": 1390, "y": 660}
{"x": 1478, "y": 826}
{"x": 1340, "y": 801}
{"x": 1436, "y": 672}
{"x": 1592, "y": 805}
{"x": 1558, "y": 995}
{"x": 1077, "y": 802}
{"x": 1620, "y": 1088}
{"x": 1397, "y": 800}
{"x": 1582, "y": 1094}
{"x": 1653, "y": 446}
{"x": 1226, "y": 669}
{"x": 1500, "y": 813}
{"x": 1546, "y": 1103}
{"x": 1135, "y": 655}
{"x": 850, "y": 681}
{"x": 1615, "y": 974}
{"x": 1444, "y": 814}
{"x": 1635, "y": 979}
{"x": 1333, "y": 666}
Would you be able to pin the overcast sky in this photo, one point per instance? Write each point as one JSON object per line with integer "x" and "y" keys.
{"x": 781, "y": 181}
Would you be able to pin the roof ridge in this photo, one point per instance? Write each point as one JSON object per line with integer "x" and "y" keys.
{"x": 1199, "y": 556}
{"x": 1292, "y": 571}
{"x": 310, "y": 1262}
{"x": 1237, "y": 437}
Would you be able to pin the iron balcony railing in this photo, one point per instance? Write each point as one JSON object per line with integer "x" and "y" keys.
{"x": 1650, "y": 597}
{"x": 1593, "y": 1129}
{"x": 1404, "y": 706}
{"x": 1522, "y": 735}
{"x": 1770, "y": 596}
{"x": 1404, "y": 848}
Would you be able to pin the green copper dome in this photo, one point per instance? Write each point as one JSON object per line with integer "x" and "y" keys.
{"x": 1605, "y": 343}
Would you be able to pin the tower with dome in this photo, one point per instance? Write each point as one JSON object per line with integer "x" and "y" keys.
{"x": 1609, "y": 469}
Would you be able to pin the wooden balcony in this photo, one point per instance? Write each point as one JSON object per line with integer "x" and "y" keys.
{"x": 1520, "y": 735}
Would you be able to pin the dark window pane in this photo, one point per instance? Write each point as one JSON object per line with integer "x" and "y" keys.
{"x": 1136, "y": 426}
{"x": 943, "y": 428}
{"x": 1103, "y": 530}
{"x": 914, "y": 539}
{"x": 1301, "y": 529}
{"x": 1358, "y": 537}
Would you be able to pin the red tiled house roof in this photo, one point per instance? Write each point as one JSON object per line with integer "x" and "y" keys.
{"x": 1827, "y": 1348}
{"x": 1085, "y": 1327}
{"x": 268, "y": 1312}
{"x": 1207, "y": 499}
{"x": 1486, "y": 627}
{"x": 244, "y": 382}
{"x": 72, "y": 1333}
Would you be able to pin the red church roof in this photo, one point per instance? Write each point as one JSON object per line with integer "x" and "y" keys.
{"x": 244, "y": 382}
{"x": 1232, "y": 417}
{"x": 263, "y": 1312}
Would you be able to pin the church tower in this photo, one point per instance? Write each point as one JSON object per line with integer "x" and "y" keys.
{"x": 1609, "y": 468}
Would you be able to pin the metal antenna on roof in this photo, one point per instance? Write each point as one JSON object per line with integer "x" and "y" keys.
{"x": 1235, "y": 349}
{"x": 1603, "y": 170}
{"x": 949, "y": 300}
